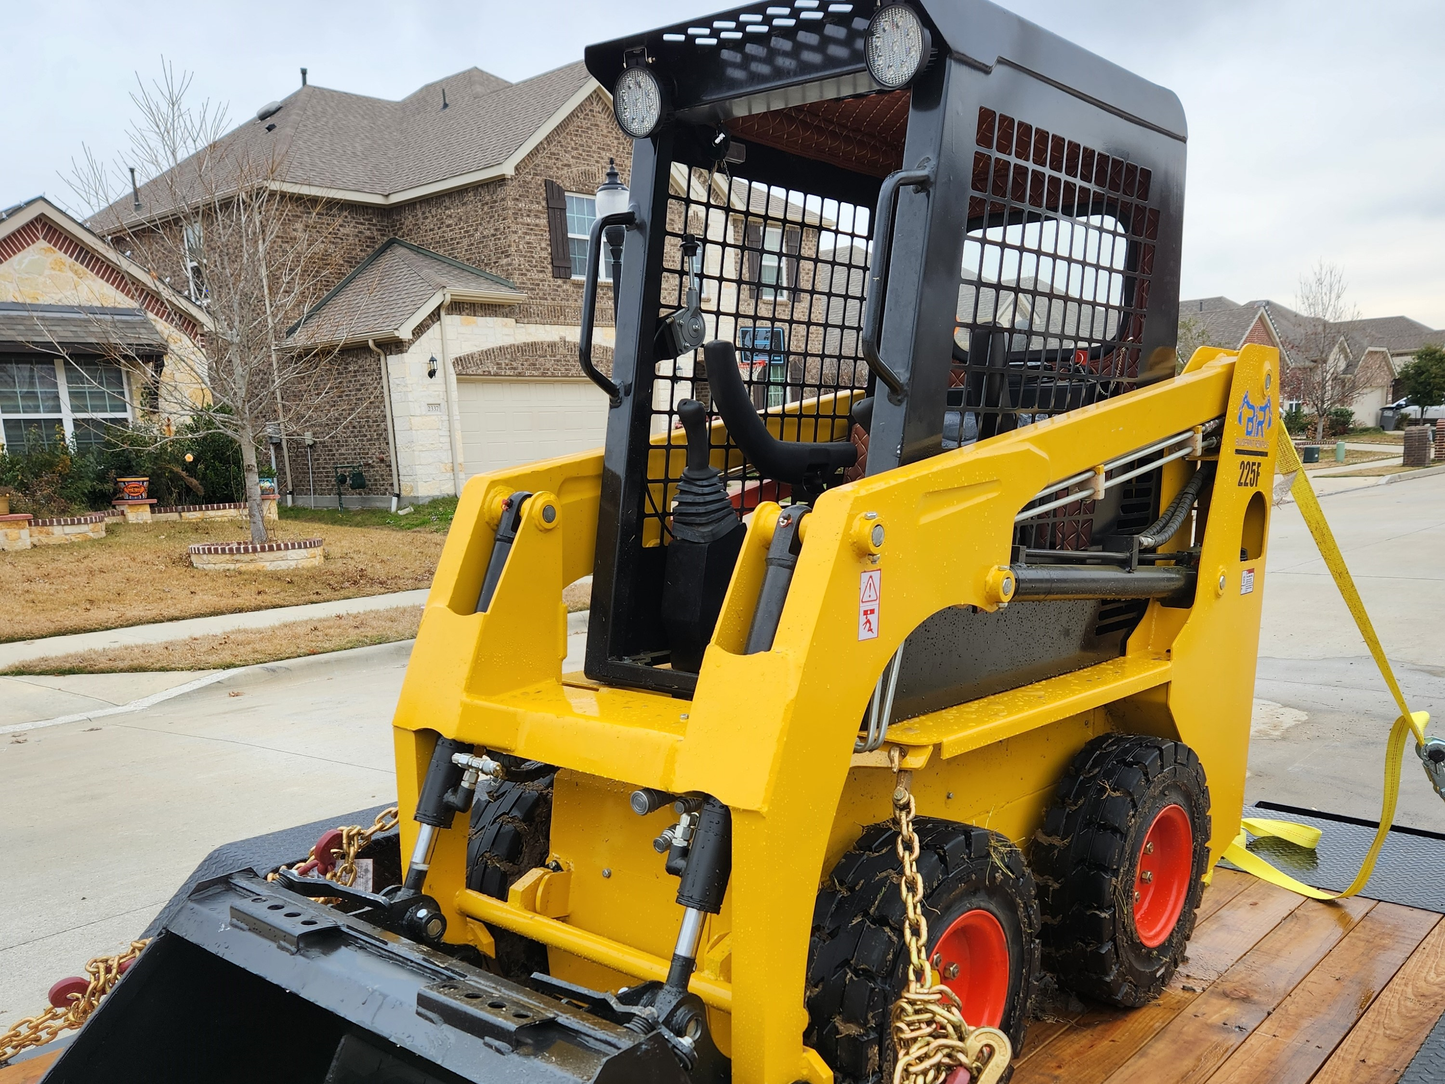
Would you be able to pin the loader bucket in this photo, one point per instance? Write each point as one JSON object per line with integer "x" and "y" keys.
{"x": 247, "y": 981}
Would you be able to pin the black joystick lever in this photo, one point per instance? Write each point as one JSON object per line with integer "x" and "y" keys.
{"x": 706, "y": 537}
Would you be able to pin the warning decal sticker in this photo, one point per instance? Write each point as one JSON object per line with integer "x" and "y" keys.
{"x": 869, "y": 590}
{"x": 1246, "y": 582}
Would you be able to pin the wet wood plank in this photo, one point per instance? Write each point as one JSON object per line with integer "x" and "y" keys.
{"x": 1103, "y": 1039}
{"x": 1302, "y": 1033}
{"x": 1221, "y": 941}
{"x": 27, "y": 1072}
{"x": 1227, "y": 884}
{"x": 1381, "y": 1045}
{"x": 1195, "y": 1043}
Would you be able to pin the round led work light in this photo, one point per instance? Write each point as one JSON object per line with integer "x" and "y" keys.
{"x": 897, "y": 46}
{"x": 637, "y": 102}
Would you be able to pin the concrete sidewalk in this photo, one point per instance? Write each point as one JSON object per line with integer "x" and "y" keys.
{"x": 25, "y": 650}
{"x": 35, "y": 703}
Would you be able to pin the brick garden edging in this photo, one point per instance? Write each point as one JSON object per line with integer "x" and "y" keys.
{"x": 257, "y": 556}
{"x": 61, "y": 529}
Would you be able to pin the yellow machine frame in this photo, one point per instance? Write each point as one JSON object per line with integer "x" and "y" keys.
{"x": 772, "y": 734}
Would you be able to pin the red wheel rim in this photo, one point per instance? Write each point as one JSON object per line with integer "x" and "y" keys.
{"x": 1161, "y": 883}
{"x": 971, "y": 959}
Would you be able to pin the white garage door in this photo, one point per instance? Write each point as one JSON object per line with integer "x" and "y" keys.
{"x": 509, "y": 422}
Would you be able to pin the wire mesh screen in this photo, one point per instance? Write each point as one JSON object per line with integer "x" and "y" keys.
{"x": 1056, "y": 272}
{"x": 1054, "y": 294}
{"x": 781, "y": 274}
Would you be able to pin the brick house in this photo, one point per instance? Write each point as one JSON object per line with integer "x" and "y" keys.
{"x": 1370, "y": 353}
{"x": 446, "y": 316}
{"x": 89, "y": 339}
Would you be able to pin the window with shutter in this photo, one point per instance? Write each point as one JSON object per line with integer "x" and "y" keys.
{"x": 752, "y": 255}
{"x": 557, "y": 230}
{"x": 772, "y": 259}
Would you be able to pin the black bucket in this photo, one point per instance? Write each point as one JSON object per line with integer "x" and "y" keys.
{"x": 248, "y": 981}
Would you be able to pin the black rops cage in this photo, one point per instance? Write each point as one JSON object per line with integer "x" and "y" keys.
{"x": 1026, "y": 198}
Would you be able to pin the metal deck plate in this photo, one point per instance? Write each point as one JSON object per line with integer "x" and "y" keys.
{"x": 1410, "y": 870}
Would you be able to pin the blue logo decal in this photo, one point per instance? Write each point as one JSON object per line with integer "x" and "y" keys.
{"x": 1256, "y": 419}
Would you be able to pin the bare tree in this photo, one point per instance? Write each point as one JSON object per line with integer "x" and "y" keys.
{"x": 1326, "y": 379}
{"x": 214, "y": 216}
{"x": 1192, "y": 335}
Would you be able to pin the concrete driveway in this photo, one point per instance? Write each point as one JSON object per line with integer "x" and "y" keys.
{"x": 101, "y": 819}
{"x": 1323, "y": 712}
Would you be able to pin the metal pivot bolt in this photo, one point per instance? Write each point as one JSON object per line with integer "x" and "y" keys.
{"x": 868, "y": 535}
{"x": 1000, "y": 585}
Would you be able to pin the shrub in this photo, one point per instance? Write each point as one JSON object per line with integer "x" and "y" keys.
{"x": 1339, "y": 421}
{"x": 1295, "y": 421}
{"x": 195, "y": 465}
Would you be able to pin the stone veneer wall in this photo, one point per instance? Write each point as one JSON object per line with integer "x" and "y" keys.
{"x": 56, "y": 531}
{"x": 258, "y": 556}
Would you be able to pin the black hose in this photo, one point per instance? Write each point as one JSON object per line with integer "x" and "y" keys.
{"x": 1165, "y": 527}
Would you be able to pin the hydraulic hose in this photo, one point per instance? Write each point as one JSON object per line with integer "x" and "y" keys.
{"x": 1164, "y": 528}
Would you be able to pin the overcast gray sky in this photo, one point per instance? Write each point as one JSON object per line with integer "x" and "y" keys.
{"x": 1317, "y": 127}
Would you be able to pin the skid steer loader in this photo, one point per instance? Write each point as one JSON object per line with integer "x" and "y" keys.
{"x": 904, "y": 491}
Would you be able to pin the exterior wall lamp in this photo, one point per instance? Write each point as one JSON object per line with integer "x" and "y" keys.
{"x": 613, "y": 197}
{"x": 431, "y": 367}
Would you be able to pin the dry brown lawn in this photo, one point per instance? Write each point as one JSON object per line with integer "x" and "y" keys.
{"x": 1392, "y": 467}
{"x": 242, "y": 647}
{"x": 140, "y": 574}
{"x": 1353, "y": 455}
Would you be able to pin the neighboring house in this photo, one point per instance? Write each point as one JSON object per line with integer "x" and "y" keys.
{"x": 89, "y": 339}
{"x": 1369, "y": 353}
{"x": 460, "y": 220}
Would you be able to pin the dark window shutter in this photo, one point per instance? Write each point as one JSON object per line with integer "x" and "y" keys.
{"x": 792, "y": 246}
{"x": 557, "y": 228}
{"x": 752, "y": 254}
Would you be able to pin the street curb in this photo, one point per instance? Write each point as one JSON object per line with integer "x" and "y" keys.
{"x": 1383, "y": 480}
{"x": 189, "y": 687}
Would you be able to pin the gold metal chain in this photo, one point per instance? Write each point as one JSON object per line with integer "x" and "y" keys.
{"x": 104, "y": 972}
{"x": 931, "y": 1041}
{"x": 353, "y": 839}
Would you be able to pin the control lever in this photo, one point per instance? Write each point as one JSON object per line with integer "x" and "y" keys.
{"x": 684, "y": 330}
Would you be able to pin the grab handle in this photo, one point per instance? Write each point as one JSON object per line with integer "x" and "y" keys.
{"x": 920, "y": 179}
{"x": 627, "y": 218}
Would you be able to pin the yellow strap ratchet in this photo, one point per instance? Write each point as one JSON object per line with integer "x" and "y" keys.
{"x": 1407, "y": 724}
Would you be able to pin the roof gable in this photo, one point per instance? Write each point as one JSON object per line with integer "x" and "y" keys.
{"x": 40, "y": 221}
{"x": 369, "y": 150}
{"x": 390, "y": 292}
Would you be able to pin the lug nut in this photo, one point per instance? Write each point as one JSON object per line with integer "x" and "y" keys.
{"x": 950, "y": 971}
{"x": 1149, "y": 848}
{"x": 1147, "y": 877}
{"x": 937, "y": 960}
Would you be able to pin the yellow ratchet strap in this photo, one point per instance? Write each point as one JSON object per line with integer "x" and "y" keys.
{"x": 1407, "y": 724}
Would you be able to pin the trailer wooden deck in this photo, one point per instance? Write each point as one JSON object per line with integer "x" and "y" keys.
{"x": 1276, "y": 990}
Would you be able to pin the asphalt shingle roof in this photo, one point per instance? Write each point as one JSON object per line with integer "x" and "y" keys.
{"x": 1226, "y": 323}
{"x": 340, "y": 142}
{"x": 387, "y": 290}
{"x": 55, "y": 329}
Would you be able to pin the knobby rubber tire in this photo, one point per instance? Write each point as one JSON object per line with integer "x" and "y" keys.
{"x": 857, "y": 956}
{"x": 510, "y": 835}
{"x": 1086, "y": 857}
